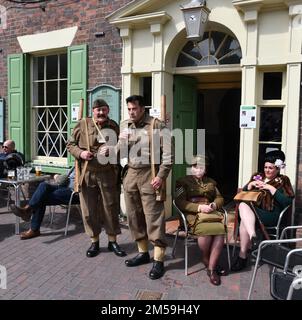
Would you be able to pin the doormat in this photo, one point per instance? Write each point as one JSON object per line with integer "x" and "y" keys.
{"x": 148, "y": 295}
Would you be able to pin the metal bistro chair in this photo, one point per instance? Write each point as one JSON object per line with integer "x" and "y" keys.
{"x": 68, "y": 209}
{"x": 276, "y": 254}
{"x": 274, "y": 231}
{"x": 189, "y": 237}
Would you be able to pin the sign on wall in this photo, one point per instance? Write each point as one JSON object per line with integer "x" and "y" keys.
{"x": 111, "y": 95}
{"x": 248, "y": 116}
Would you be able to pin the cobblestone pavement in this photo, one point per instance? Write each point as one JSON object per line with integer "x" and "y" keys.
{"x": 53, "y": 266}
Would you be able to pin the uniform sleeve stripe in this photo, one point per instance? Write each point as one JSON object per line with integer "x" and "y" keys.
{"x": 179, "y": 191}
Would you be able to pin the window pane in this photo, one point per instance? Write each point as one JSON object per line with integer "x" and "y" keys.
{"x": 41, "y": 119}
{"x": 64, "y": 120}
{"x": 38, "y": 96}
{"x": 40, "y": 68}
{"x": 263, "y": 149}
{"x": 52, "y": 93}
{"x": 271, "y": 124}
{"x": 63, "y": 66}
{"x": 147, "y": 90}
{"x": 272, "y": 85}
{"x": 52, "y": 67}
{"x": 54, "y": 119}
{"x": 63, "y": 92}
{"x": 42, "y": 144}
{"x": 215, "y": 48}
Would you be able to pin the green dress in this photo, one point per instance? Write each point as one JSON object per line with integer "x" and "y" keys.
{"x": 270, "y": 218}
{"x": 189, "y": 189}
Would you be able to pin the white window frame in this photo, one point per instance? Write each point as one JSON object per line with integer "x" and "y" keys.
{"x": 45, "y": 160}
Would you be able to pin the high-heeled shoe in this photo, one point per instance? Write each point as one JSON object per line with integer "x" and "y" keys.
{"x": 214, "y": 277}
{"x": 239, "y": 264}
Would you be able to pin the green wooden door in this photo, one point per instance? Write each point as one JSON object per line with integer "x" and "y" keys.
{"x": 184, "y": 117}
{"x": 77, "y": 84}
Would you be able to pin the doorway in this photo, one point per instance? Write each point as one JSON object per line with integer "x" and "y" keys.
{"x": 214, "y": 108}
{"x": 218, "y": 113}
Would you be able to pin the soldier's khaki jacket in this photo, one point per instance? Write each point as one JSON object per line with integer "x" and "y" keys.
{"x": 77, "y": 143}
{"x": 189, "y": 187}
{"x": 141, "y": 135}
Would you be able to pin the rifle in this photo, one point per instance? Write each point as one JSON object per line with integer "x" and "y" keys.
{"x": 77, "y": 162}
{"x": 161, "y": 192}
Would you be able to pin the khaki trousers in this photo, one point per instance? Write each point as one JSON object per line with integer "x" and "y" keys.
{"x": 145, "y": 215}
{"x": 99, "y": 203}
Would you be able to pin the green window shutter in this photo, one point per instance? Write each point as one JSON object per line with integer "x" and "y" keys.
{"x": 77, "y": 83}
{"x": 16, "y": 99}
{"x": 27, "y": 110}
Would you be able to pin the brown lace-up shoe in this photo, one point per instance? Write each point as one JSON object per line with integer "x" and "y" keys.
{"x": 29, "y": 234}
{"x": 24, "y": 213}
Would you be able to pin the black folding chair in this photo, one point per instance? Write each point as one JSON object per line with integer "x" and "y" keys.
{"x": 277, "y": 255}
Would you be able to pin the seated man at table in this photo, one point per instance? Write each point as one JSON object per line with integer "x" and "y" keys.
{"x": 9, "y": 148}
{"x": 46, "y": 194}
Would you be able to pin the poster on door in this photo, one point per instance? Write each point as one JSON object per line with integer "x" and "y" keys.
{"x": 248, "y": 116}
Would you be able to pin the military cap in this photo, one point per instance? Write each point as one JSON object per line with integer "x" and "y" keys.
{"x": 200, "y": 160}
{"x": 99, "y": 103}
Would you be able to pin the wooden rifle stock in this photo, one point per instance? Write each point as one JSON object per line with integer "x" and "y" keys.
{"x": 77, "y": 162}
{"x": 161, "y": 192}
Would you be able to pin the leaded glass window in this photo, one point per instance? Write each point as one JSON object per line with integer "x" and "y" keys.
{"x": 50, "y": 106}
{"x": 214, "y": 49}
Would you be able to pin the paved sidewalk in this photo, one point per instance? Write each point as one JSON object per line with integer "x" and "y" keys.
{"x": 55, "y": 267}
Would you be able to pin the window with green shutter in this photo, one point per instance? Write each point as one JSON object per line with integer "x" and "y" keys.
{"x": 40, "y": 102}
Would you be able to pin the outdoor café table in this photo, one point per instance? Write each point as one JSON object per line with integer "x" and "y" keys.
{"x": 17, "y": 185}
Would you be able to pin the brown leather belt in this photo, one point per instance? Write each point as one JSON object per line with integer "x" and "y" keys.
{"x": 201, "y": 200}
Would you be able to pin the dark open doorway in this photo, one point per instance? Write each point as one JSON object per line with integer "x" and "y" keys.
{"x": 218, "y": 114}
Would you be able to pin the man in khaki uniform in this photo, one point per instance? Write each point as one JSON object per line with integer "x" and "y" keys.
{"x": 98, "y": 190}
{"x": 145, "y": 214}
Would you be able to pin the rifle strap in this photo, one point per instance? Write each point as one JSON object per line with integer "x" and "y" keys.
{"x": 88, "y": 149}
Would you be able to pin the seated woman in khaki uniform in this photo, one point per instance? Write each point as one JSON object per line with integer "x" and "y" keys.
{"x": 198, "y": 197}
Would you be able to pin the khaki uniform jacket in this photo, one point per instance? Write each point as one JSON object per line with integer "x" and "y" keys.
{"x": 189, "y": 187}
{"x": 78, "y": 141}
{"x": 164, "y": 152}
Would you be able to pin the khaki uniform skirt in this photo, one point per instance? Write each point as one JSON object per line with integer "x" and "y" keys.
{"x": 202, "y": 228}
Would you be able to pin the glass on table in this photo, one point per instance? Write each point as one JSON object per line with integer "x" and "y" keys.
{"x": 20, "y": 173}
{"x": 11, "y": 174}
{"x": 38, "y": 170}
{"x": 27, "y": 169}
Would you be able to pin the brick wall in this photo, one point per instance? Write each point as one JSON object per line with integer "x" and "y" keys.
{"x": 104, "y": 53}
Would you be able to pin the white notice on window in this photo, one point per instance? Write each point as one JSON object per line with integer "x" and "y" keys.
{"x": 155, "y": 112}
{"x": 75, "y": 107}
{"x": 248, "y": 117}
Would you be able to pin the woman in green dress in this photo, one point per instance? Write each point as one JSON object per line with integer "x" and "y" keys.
{"x": 278, "y": 193}
{"x": 198, "y": 197}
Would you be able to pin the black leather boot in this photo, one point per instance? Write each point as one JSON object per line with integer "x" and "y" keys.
{"x": 114, "y": 247}
{"x": 93, "y": 250}
{"x": 239, "y": 264}
{"x": 157, "y": 270}
{"x": 141, "y": 258}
